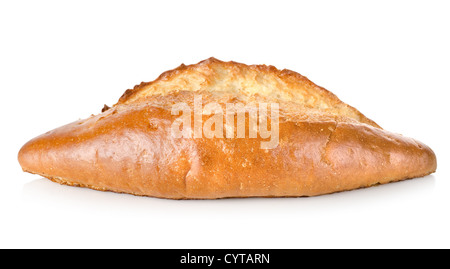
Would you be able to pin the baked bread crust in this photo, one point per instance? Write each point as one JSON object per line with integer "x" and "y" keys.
{"x": 325, "y": 145}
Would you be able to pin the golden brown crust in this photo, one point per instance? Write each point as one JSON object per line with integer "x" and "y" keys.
{"x": 325, "y": 146}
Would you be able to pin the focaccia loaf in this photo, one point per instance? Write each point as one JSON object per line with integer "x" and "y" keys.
{"x": 323, "y": 146}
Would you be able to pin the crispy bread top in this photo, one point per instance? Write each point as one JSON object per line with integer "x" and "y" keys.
{"x": 232, "y": 81}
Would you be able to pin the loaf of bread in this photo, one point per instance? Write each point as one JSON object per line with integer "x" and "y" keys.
{"x": 224, "y": 129}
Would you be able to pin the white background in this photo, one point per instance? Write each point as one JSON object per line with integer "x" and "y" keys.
{"x": 63, "y": 60}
